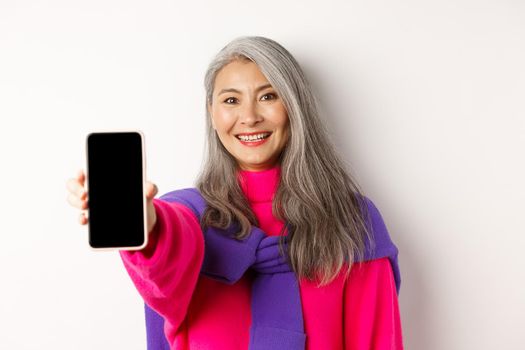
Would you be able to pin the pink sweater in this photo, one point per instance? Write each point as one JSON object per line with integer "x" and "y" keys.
{"x": 360, "y": 313}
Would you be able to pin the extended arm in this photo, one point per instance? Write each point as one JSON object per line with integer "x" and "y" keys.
{"x": 165, "y": 273}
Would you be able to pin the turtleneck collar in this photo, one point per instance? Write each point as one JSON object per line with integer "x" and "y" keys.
{"x": 259, "y": 186}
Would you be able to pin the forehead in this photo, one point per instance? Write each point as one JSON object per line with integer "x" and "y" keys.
{"x": 238, "y": 74}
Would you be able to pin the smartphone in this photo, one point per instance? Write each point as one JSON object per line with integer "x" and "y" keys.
{"x": 115, "y": 185}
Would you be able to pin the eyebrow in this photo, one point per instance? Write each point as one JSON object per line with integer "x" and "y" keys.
{"x": 262, "y": 87}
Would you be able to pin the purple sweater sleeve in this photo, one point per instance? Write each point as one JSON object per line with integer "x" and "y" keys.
{"x": 166, "y": 271}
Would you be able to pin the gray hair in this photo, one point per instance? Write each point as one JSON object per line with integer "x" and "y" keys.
{"x": 316, "y": 196}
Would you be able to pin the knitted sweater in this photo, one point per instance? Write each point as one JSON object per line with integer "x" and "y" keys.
{"x": 358, "y": 313}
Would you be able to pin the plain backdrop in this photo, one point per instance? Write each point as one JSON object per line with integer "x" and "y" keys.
{"x": 424, "y": 99}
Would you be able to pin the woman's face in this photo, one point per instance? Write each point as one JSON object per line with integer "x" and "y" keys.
{"x": 245, "y": 106}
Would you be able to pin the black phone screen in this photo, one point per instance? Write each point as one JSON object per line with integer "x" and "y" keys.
{"x": 115, "y": 189}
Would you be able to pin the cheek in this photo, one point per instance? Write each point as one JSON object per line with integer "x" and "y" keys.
{"x": 277, "y": 115}
{"x": 284, "y": 122}
{"x": 286, "y": 129}
{"x": 281, "y": 116}
{"x": 222, "y": 121}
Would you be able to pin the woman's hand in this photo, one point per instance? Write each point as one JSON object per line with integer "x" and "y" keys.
{"x": 78, "y": 198}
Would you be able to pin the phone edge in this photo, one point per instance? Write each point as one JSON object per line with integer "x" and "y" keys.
{"x": 144, "y": 202}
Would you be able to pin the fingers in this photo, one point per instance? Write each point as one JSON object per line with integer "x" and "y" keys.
{"x": 76, "y": 186}
{"x": 77, "y": 195}
{"x": 81, "y": 177}
{"x": 76, "y": 190}
{"x": 82, "y": 219}
{"x": 77, "y": 202}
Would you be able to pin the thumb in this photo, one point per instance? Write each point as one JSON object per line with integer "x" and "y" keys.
{"x": 151, "y": 190}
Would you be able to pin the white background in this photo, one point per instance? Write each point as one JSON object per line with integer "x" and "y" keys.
{"x": 424, "y": 98}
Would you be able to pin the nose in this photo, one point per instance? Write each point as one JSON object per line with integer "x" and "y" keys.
{"x": 250, "y": 114}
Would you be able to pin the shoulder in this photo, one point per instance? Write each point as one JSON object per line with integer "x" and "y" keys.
{"x": 381, "y": 245}
{"x": 190, "y": 197}
{"x": 371, "y": 208}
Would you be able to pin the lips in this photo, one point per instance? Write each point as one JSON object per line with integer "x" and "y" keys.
{"x": 254, "y": 136}
{"x": 253, "y": 133}
{"x": 254, "y": 143}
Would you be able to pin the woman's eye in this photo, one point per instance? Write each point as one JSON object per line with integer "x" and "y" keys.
{"x": 271, "y": 97}
{"x": 230, "y": 100}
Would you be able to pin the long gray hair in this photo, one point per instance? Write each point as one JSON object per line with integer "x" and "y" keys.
{"x": 316, "y": 196}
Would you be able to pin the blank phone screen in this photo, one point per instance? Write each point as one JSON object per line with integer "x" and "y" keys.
{"x": 115, "y": 193}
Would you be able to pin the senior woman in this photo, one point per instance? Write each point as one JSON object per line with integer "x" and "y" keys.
{"x": 276, "y": 247}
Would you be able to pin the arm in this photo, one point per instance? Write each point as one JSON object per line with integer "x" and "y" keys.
{"x": 166, "y": 271}
{"x": 372, "y": 319}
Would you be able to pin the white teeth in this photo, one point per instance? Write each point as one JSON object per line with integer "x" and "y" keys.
{"x": 253, "y": 137}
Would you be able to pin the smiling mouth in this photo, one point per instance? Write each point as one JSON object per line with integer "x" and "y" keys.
{"x": 254, "y": 138}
